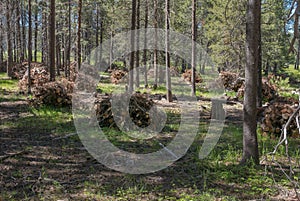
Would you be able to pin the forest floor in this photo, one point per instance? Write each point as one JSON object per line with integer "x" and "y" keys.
{"x": 42, "y": 158}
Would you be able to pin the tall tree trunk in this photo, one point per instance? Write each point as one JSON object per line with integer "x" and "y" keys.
{"x": 132, "y": 45}
{"x": 36, "y": 28}
{"x": 1, "y": 46}
{"x": 259, "y": 64}
{"x": 298, "y": 55}
{"x": 58, "y": 54}
{"x": 145, "y": 45}
{"x": 29, "y": 46}
{"x": 168, "y": 77}
{"x": 97, "y": 33}
{"x": 45, "y": 45}
{"x": 23, "y": 20}
{"x": 111, "y": 52}
{"x": 137, "y": 56}
{"x": 52, "y": 40}
{"x": 15, "y": 48}
{"x": 19, "y": 39}
{"x": 250, "y": 145}
{"x": 155, "y": 51}
{"x": 8, "y": 36}
{"x": 79, "y": 34}
{"x": 194, "y": 38}
{"x": 101, "y": 38}
{"x": 68, "y": 55}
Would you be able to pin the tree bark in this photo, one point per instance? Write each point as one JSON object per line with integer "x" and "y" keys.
{"x": 145, "y": 45}
{"x": 79, "y": 34}
{"x": 29, "y": 46}
{"x": 137, "y": 53}
{"x": 1, "y": 46}
{"x": 36, "y": 24}
{"x": 168, "y": 77}
{"x": 250, "y": 145}
{"x": 23, "y": 46}
{"x": 52, "y": 47}
{"x": 19, "y": 39}
{"x": 8, "y": 35}
{"x": 155, "y": 52}
{"x": 58, "y": 53}
{"x": 194, "y": 37}
{"x": 45, "y": 44}
{"x": 259, "y": 64}
{"x": 68, "y": 54}
{"x": 132, "y": 44}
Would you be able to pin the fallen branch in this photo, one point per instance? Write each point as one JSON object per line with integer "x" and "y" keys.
{"x": 283, "y": 140}
{"x": 65, "y": 137}
{"x": 2, "y": 158}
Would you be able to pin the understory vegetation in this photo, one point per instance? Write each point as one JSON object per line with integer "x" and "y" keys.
{"x": 50, "y": 149}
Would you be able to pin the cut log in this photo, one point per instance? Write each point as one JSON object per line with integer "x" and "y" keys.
{"x": 217, "y": 110}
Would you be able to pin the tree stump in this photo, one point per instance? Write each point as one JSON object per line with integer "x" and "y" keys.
{"x": 217, "y": 110}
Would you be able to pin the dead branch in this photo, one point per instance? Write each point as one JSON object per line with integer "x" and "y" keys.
{"x": 2, "y": 158}
{"x": 283, "y": 140}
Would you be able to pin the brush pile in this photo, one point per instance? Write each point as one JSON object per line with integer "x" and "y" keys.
{"x": 231, "y": 81}
{"x": 44, "y": 92}
{"x": 268, "y": 90}
{"x": 19, "y": 70}
{"x": 117, "y": 76}
{"x": 139, "y": 107}
{"x": 275, "y": 116}
{"x": 174, "y": 72}
{"x": 187, "y": 76}
{"x": 39, "y": 76}
{"x": 58, "y": 93}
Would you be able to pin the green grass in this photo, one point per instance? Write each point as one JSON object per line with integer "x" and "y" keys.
{"x": 47, "y": 119}
{"x": 9, "y": 89}
{"x": 9, "y": 85}
{"x": 219, "y": 176}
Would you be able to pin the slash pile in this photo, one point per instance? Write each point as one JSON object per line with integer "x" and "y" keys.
{"x": 139, "y": 107}
{"x": 187, "y": 76}
{"x": 275, "y": 116}
{"x": 117, "y": 76}
{"x": 58, "y": 93}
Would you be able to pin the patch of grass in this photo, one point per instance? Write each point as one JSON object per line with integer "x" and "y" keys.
{"x": 3, "y": 75}
{"x": 8, "y": 85}
{"x": 47, "y": 119}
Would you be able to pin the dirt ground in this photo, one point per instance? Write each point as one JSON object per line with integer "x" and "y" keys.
{"x": 36, "y": 164}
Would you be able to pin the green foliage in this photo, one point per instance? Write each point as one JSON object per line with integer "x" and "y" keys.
{"x": 225, "y": 29}
{"x": 274, "y": 39}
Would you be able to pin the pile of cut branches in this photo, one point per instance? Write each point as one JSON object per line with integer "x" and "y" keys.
{"x": 174, "y": 71}
{"x": 44, "y": 92}
{"x": 187, "y": 76}
{"x": 117, "y": 76}
{"x": 139, "y": 107}
{"x": 276, "y": 115}
{"x": 268, "y": 90}
{"x": 19, "y": 70}
{"x": 58, "y": 93}
{"x": 39, "y": 77}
